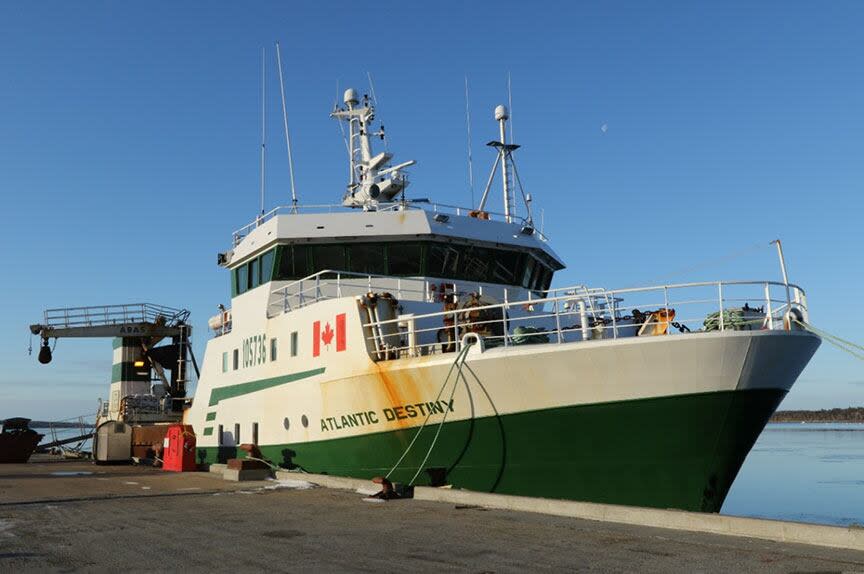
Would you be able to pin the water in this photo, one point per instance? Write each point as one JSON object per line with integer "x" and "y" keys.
{"x": 63, "y": 433}
{"x": 810, "y": 472}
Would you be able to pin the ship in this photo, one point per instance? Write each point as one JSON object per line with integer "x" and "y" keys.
{"x": 391, "y": 336}
{"x": 398, "y": 337}
{"x": 17, "y": 440}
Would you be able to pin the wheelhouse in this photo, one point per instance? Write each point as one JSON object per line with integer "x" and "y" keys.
{"x": 497, "y": 264}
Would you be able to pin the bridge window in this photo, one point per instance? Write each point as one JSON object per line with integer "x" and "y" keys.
{"x": 328, "y": 257}
{"x": 242, "y": 281}
{"x": 292, "y": 262}
{"x": 405, "y": 259}
{"x": 254, "y": 273}
{"x": 225, "y": 362}
{"x": 367, "y": 258}
{"x": 273, "y": 343}
{"x": 411, "y": 259}
{"x": 294, "y": 343}
{"x": 443, "y": 261}
{"x": 267, "y": 266}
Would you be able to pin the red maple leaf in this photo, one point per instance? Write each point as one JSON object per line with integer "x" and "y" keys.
{"x": 327, "y": 334}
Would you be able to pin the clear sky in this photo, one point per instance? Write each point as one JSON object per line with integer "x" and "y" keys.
{"x": 129, "y": 148}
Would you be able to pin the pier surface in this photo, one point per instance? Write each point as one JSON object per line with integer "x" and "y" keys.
{"x": 75, "y": 516}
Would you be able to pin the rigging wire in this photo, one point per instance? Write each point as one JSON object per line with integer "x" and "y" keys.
{"x": 708, "y": 263}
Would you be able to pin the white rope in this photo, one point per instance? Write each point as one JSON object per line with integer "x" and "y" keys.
{"x": 446, "y": 412}
{"x": 459, "y": 357}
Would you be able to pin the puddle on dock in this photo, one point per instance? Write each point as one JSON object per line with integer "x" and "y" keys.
{"x": 71, "y": 473}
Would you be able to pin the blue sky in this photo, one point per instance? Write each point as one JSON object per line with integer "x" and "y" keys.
{"x": 129, "y": 148}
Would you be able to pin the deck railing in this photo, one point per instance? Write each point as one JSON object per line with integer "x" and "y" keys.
{"x": 665, "y": 310}
{"x": 112, "y": 315}
{"x": 443, "y": 208}
{"x": 332, "y": 284}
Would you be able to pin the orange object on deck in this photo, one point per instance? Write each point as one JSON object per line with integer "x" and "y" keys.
{"x": 179, "y": 452}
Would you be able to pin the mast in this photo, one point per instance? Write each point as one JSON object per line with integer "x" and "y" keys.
{"x": 509, "y": 174}
{"x": 502, "y": 116}
{"x": 371, "y": 182}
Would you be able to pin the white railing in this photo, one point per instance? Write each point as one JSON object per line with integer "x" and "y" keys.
{"x": 667, "y": 310}
{"x": 332, "y": 284}
{"x": 239, "y": 234}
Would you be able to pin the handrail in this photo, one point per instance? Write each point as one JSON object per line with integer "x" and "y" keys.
{"x": 604, "y": 321}
{"x": 434, "y": 207}
{"x": 112, "y": 315}
{"x": 589, "y": 293}
{"x": 629, "y": 290}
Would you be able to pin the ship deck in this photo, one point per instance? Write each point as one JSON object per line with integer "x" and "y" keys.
{"x": 72, "y": 515}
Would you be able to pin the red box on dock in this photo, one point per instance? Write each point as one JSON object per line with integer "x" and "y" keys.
{"x": 179, "y": 452}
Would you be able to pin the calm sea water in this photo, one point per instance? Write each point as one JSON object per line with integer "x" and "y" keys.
{"x": 803, "y": 472}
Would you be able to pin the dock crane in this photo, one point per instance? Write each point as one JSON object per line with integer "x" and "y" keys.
{"x": 137, "y": 330}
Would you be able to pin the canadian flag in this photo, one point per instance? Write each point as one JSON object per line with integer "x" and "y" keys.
{"x": 325, "y": 335}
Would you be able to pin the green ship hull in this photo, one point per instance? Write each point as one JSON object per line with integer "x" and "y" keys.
{"x": 682, "y": 451}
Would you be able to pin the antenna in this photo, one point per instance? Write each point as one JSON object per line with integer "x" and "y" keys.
{"x": 263, "y": 123}
{"x": 285, "y": 122}
{"x": 375, "y": 103}
{"x": 510, "y": 105}
{"x": 468, "y": 126}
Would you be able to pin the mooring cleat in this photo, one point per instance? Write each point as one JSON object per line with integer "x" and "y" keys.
{"x": 387, "y": 491}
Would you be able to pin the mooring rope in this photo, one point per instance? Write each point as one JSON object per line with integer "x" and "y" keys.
{"x": 841, "y": 344}
{"x": 459, "y": 357}
{"x": 446, "y": 411}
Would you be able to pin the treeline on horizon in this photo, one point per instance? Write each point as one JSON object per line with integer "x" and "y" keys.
{"x": 847, "y": 415}
{"x": 48, "y": 424}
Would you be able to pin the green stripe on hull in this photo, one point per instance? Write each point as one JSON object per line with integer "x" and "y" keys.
{"x": 231, "y": 391}
{"x": 670, "y": 452}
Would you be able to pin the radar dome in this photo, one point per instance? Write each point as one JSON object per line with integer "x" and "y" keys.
{"x": 350, "y": 97}
{"x": 501, "y": 113}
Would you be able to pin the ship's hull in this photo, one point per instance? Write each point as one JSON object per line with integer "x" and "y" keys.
{"x": 671, "y": 452}
{"x": 660, "y": 421}
{"x": 17, "y": 447}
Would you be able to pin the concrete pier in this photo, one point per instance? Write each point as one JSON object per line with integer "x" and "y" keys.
{"x": 75, "y": 516}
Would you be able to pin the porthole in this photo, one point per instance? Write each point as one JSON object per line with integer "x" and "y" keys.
{"x": 305, "y": 421}
{"x": 286, "y": 423}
